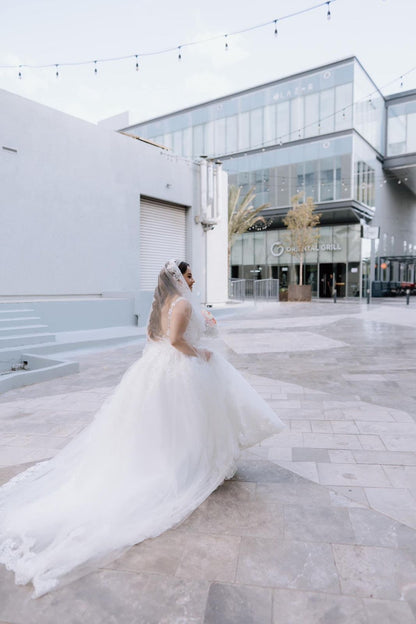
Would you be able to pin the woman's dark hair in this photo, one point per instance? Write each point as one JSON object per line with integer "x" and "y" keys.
{"x": 182, "y": 266}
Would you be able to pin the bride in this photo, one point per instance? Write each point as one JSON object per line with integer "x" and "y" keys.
{"x": 170, "y": 434}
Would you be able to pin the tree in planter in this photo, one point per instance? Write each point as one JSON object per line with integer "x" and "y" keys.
{"x": 301, "y": 221}
{"x": 241, "y": 215}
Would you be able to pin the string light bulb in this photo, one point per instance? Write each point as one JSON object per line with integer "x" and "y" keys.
{"x": 20, "y": 73}
{"x": 275, "y": 28}
{"x": 226, "y": 43}
{"x": 179, "y": 53}
{"x": 57, "y": 72}
{"x": 137, "y": 62}
{"x": 95, "y": 68}
{"x": 328, "y": 13}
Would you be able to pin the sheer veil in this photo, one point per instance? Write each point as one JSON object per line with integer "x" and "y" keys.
{"x": 171, "y": 284}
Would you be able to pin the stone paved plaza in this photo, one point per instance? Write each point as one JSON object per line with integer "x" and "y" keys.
{"x": 318, "y": 525}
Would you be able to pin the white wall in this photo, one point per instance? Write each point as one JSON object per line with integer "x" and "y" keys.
{"x": 69, "y": 201}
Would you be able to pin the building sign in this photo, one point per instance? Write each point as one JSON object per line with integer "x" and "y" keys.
{"x": 370, "y": 231}
{"x": 277, "y": 249}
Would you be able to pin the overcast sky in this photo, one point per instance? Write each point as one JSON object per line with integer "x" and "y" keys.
{"x": 381, "y": 33}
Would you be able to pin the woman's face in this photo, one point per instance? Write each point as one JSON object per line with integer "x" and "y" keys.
{"x": 188, "y": 277}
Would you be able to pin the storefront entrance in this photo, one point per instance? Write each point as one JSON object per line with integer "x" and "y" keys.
{"x": 332, "y": 276}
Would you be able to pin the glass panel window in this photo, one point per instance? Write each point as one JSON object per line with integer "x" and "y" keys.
{"x": 187, "y": 142}
{"x": 231, "y": 132}
{"x": 198, "y": 141}
{"x": 243, "y": 131}
{"x": 327, "y": 179}
{"x": 209, "y": 138}
{"x": 256, "y": 128}
{"x": 269, "y": 124}
{"x": 343, "y": 107}
{"x": 220, "y": 136}
{"x": 283, "y": 121}
{"x": 327, "y": 104}
{"x": 177, "y": 142}
{"x": 296, "y": 119}
{"x": 312, "y": 115}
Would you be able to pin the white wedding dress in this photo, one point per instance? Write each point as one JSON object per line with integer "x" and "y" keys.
{"x": 166, "y": 438}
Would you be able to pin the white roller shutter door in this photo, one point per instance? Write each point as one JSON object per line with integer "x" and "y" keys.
{"x": 162, "y": 236}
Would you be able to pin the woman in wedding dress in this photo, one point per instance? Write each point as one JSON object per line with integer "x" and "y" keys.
{"x": 168, "y": 436}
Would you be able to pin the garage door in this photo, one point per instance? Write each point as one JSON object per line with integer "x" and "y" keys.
{"x": 162, "y": 236}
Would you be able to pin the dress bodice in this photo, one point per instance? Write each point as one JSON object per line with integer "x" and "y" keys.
{"x": 193, "y": 331}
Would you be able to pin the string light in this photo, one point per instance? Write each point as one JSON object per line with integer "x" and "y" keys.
{"x": 137, "y": 62}
{"x": 183, "y": 45}
{"x": 179, "y": 53}
{"x": 328, "y": 14}
{"x": 275, "y": 28}
{"x": 20, "y": 73}
{"x": 57, "y": 72}
{"x": 95, "y": 68}
{"x": 226, "y": 43}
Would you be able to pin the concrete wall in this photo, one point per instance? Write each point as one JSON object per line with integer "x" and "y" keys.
{"x": 69, "y": 199}
{"x": 396, "y": 216}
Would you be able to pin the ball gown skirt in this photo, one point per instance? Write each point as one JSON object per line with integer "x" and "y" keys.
{"x": 170, "y": 433}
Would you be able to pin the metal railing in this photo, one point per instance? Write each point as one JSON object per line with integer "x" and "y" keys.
{"x": 242, "y": 289}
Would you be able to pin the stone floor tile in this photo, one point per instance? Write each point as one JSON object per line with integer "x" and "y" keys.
{"x": 277, "y": 454}
{"x": 333, "y": 441}
{"x": 301, "y": 607}
{"x": 373, "y": 572}
{"x": 372, "y": 443}
{"x": 318, "y": 524}
{"x": 263, "y": 472}
{"x": 356, "y": 494}
{"x": 388, "y": 612}
{"x": 287, "y": 564}
{"x": 344, "y": 426}
{"x": 300, "y": 425}
{"x": 307, "y": 470}
{"x": 321, "y": 426}
{"x": 384, "y": 498}
{"x": 310, "y": 454}
{"x": 160, "y": 555}
{"x": 385, "y": 457}
{"x": 341, "y": 457}
{"x": 309, "y": 493}
{"x": 372, "y": 528}
{"x": 257, "y": 518}
{"x": 352, "y": 474}
{"x": 231, "y": 604}
{"x": 209, "y": 557}
{"x": 399, "y": 442}
{"x": 402, "y": 476}
{"x": 339, "y": 500}
{"x": 392, "y": 428}
{"x": 365, "y": 414}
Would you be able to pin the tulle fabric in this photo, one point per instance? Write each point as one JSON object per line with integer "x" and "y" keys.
{"x": 167, "y": 437}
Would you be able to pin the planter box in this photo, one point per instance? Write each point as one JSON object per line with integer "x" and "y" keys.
{"x": 300, "y": 293}
{"x": 283, "y": 295}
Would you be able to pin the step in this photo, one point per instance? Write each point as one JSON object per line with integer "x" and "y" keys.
{"x": 25, "y": 339}
{"x": 16, "y": 330}
{"x": 14, "y": 310}
{"x": 40, "y": 369}
{"x": 15, "y": 319}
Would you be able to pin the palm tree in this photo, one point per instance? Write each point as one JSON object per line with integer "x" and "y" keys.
{"x": 241, "y": 215}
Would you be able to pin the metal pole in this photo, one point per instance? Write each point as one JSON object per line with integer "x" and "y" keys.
{"x": 368, "y": 295}
{"x": 334, "y": 292}
{"x": 407, "y": 296}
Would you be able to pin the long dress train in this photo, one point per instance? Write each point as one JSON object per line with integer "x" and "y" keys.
{"x": 167, "y": 437}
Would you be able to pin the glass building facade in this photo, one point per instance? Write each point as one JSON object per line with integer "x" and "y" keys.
{"x": 323, "y": 133}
